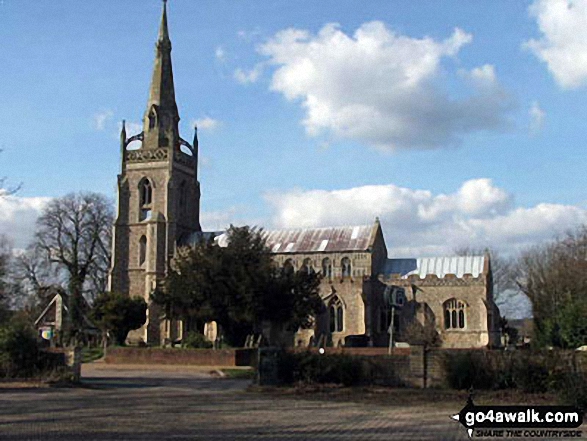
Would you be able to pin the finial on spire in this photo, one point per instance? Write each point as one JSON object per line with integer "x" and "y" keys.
{"x": 195, "y": 143}
{"x": 123, "y": 139}
{"x": 163, "y": 30}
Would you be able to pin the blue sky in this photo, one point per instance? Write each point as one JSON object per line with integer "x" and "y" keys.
{"x": 457, "y": 123}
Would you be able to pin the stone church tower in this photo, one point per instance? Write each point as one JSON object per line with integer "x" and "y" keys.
{"x": 158, "y": 192}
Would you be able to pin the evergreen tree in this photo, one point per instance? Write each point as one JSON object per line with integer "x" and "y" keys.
{"x": 238, "y": 286}
{"x": 119, "y": 314}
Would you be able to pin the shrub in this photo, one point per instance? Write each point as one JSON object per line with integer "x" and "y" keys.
{"x": 531, "y": 374}
{"x": 196, "y": 340}
{"x": 19, "y": 352}
{"x": 469, "y": 369}
{"x": 573, "y": 390}
{"x": 311, "y": 368}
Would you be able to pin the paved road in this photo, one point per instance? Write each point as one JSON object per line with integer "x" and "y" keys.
{"x": 172, "y": 403}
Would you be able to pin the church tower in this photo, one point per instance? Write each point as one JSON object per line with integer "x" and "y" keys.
{"x": 158, "y": 192}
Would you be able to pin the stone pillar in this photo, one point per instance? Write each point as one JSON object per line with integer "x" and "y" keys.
{"x": 418, "y": 365}
{"x": 74, "y": 363}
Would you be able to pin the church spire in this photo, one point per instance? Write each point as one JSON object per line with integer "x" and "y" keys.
{"x": 161, "y": 116}
{"x": 163, "y": 31}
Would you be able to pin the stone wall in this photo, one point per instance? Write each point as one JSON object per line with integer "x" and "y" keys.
{"x": 63, "y": 358}
{"x": 481, "y": 317}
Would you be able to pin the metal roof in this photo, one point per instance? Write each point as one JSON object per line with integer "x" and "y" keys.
{"x": 308, "y": 240}
{"x": 440, "y": 266}
{"x": 330, "y": 239}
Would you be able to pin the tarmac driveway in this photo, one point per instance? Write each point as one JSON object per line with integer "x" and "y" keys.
{"x": 138, "y": 403}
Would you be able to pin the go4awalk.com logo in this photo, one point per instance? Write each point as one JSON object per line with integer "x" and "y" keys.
{"x": 521, "y": 421}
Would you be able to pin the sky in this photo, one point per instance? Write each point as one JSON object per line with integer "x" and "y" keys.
{"x": 456, "y": 123}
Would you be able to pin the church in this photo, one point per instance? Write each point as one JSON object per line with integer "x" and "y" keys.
{"x": 367, "y": 295}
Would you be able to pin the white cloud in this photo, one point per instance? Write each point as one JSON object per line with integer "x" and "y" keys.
{"x": 483, "y": 76}
{"x": 249, "y": 35}
{"x": 537, "y": 116}
{"x": 419, "y": 223}
{"x": 218, "y": 220}
{"x": 382, "y": 88}
{"x": 101, "y": 118}
{"x": 132, "y": 128}
{"x": 206, "y": 123}
{"x": 220, "y": 54}
{"x": 248, "y": 76}
{"x": 18, "y": 216}
{"x": 563, "y": 44}
{"x": 222, "y": 219}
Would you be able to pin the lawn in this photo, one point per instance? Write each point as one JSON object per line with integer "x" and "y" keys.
{"x": 239, "y": 374}
{"x": 91, "y": 354}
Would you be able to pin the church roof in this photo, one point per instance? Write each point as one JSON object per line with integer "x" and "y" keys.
{"x": 303, "y": 240}
{"x": 329, "y": 239}
{"x": 439, "y": 266}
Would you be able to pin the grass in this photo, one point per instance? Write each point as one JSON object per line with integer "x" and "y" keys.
{"x": 91, "y": 354}
{"x": 239, "y": 374}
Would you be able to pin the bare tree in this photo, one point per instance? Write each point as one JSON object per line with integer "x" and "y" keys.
{"x": 36, "y": 277}
{"x": 12, "y": 295}
{"x": 74, "y": 234}
{"x": 5, "y": 299}
{"x": 5, "y": 190}
{"x": 502, "y": 269}
{"x": 554, "y": 277}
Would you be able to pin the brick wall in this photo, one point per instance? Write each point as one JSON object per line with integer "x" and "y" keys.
{"x": 194, "y": 357}
{"x": 406, "y": 367}
{"x": 416, "y": 367}
{"x": 356, "y": 351}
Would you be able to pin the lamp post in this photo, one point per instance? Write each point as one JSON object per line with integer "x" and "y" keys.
{"x": 391, "y": 297}
{"x": 390, "y": 330}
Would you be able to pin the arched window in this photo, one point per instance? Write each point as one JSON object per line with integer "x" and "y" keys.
{"x": 346, "y": 267}
{"x": 307, "y": 266}
{"x": 142, "y": 249}
{"x": 454, "y": 314}
{"x": 152, "y": 118}
{"x": 146, "y": 199}
{"x": 146, "y": 193}
{"x": 327, "y": 267}
{"x": 288, "y": 267}
{"x": 336, "y": 314}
